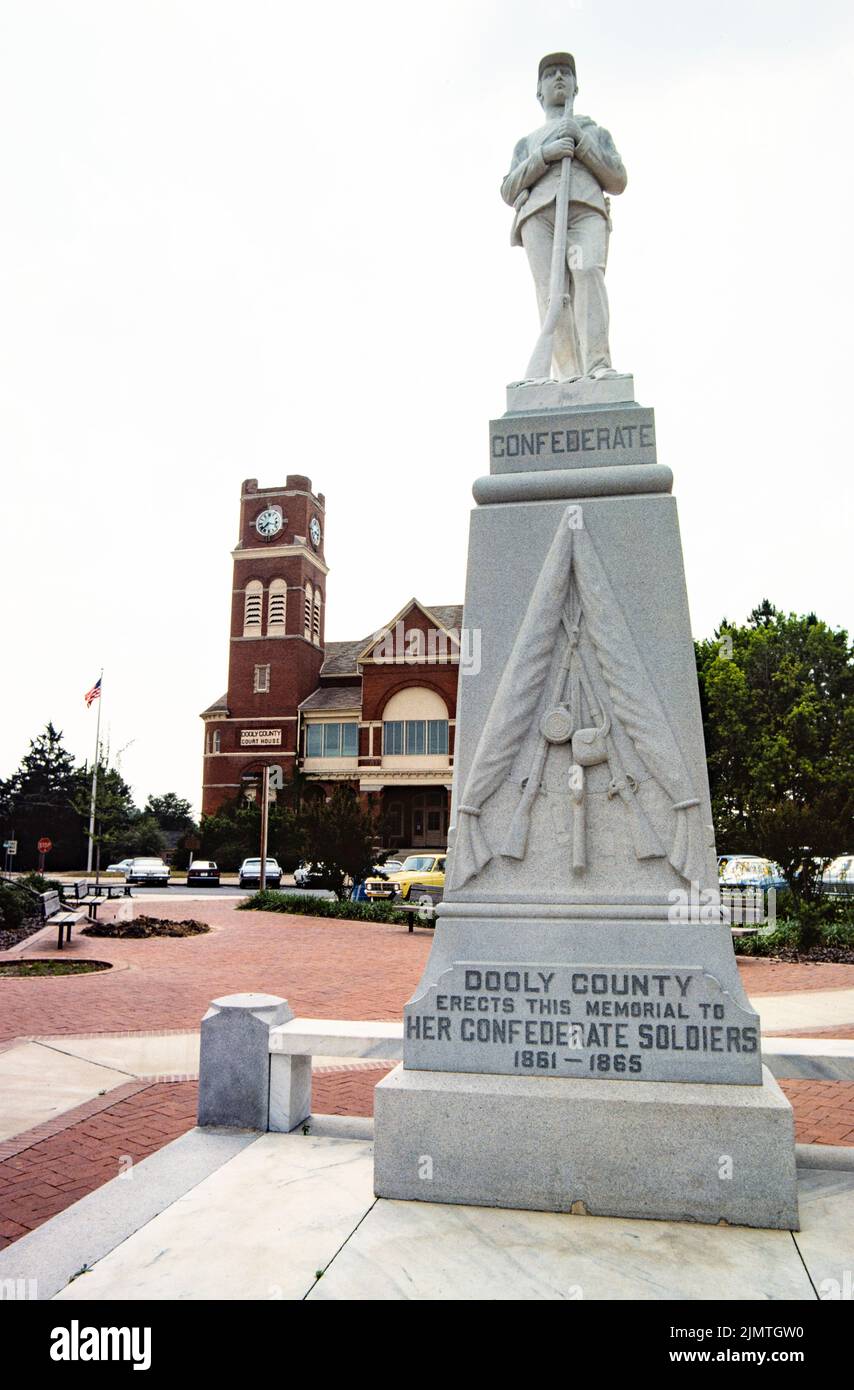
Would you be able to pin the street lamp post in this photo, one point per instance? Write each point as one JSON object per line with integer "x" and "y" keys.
{"x": 265, "y": 816}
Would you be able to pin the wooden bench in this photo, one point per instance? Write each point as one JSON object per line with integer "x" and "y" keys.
{"x": 52, "y": 912}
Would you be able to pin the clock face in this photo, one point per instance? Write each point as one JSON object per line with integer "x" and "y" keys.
{"x": 269, "y": 523}
{"x": 314, "y": 532}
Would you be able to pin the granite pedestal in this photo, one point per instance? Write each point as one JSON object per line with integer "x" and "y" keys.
{"x": 580, "y": 1034}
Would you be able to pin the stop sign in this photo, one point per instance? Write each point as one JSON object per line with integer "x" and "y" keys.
{"x": 44, "y": 845}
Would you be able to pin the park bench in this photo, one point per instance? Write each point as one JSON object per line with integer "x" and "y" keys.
{"x": 114, "y": 890}
{"x": 73, "y": 892}
{"x": 292, "y": 1046}
{"x": 84, "y": 895}
{"x": 54, "y": 915}
{"x": 421, "y": 904}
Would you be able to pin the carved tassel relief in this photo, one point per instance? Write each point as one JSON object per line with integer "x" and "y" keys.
{"x": 576, "y": 693}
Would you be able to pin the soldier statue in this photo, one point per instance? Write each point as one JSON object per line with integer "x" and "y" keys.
{"x": 569, "y": 157}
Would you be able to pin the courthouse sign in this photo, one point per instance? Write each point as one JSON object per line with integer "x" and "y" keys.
{"x": 255, "y": 738}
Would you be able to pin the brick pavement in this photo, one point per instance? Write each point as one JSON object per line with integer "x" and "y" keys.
{"x": 56, "y": 1164}
{"x": 324, "y": 968}
{"x": 824, "y": 1111}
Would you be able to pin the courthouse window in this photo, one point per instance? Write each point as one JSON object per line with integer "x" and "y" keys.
{"x": 415, "y": 741}
{"x": 262, "y": 680}
{"x": 393, "y": 736}
{"x": 437, "y": 736}
{"x": 331, "y": 740}
{"x": 415, "y": 737}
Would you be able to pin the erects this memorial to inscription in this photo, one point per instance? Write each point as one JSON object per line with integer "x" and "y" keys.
{"x": 624, "y": 1023}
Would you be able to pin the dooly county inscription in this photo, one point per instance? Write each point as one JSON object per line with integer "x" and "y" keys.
{"x": 624, "y": 1023}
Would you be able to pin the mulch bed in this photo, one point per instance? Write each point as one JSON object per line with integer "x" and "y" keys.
{"x": 10, "y": 936}
{"x": 147, "y": 926}
{"x": 825, "y": 955}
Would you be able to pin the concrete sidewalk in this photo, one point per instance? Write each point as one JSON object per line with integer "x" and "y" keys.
{"x": 242, "y": 1216}
{"x": 43, "y": 1078}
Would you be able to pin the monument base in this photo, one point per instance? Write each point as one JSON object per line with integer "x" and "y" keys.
{"x": 656, "y": 1150}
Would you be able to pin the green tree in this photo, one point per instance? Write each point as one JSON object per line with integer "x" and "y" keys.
{"x": 116, "y": 818}
{"x": 340, "y": 838}
{"x": 776, "y": 696}
{"x": 39, "y": 799}
{"x": 171, "y": 812}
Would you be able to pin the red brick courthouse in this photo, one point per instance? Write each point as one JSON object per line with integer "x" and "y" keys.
{"x": 377, "y": 713}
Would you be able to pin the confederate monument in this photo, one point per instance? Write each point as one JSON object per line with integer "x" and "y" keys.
{"x": 580, "y": 1039}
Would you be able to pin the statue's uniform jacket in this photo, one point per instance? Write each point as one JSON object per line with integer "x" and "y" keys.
{"x": 532, "y": 183}
{"x": 580, "y": 342}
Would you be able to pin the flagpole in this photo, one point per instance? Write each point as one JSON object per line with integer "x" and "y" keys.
{"x": 95, "y": 774}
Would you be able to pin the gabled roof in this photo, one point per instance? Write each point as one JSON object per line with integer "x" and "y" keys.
{"x": 333, "y": 697}
{"x": 450, "y": 615}
{"x": 439, "y": 615}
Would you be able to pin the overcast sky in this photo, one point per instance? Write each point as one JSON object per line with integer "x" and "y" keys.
{"x": 246, "y": 239}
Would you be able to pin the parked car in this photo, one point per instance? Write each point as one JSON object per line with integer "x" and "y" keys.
{"x": 838, "y": 877}
{"x": 147, "y": 871}
{"x": 204, "y": 872}
{"x": 417, "y": 869}
{"x": 250, "y": 873}
{"x": 749, "y": 871}
{"x": 120, "y": 868}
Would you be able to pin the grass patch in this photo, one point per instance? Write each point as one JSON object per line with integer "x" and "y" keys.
{"x": 272, "y": 901}
{"x": 33, "y": 969}
{"x": 139, "y": 928}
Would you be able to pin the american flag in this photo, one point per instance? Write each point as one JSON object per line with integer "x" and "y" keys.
{"x": 93, "y": 694}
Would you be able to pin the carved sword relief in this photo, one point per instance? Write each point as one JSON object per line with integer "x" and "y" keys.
{"x": 597, "y": 698}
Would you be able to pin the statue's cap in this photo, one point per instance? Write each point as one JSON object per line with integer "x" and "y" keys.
{"x": 557, "y": 59}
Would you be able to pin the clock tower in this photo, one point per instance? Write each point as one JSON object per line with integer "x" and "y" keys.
{"x": 276, "y": 644}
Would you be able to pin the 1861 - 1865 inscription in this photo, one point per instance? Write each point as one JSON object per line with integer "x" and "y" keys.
{"x": 583, "y": 1021}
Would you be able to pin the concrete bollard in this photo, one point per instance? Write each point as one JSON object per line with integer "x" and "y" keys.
{"x": 234, "y": 1067}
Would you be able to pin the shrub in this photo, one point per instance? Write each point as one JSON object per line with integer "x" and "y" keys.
{"x": 797, "y": 935}
{"x": 15, "y": 904}
{"x": 272, "y": 901}
{"x": 39, "y": 884}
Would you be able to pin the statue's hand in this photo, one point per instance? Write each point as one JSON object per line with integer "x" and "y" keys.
{"x": 568, "y": 129}
{"x": 558, "y": 149}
